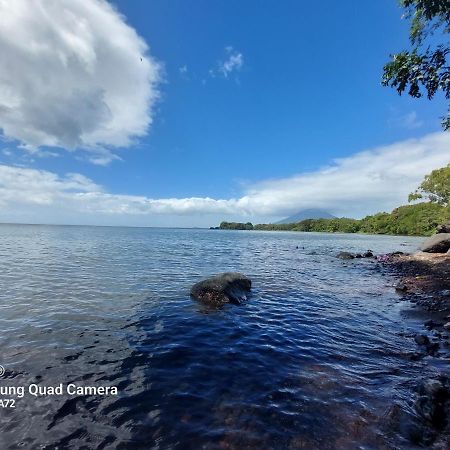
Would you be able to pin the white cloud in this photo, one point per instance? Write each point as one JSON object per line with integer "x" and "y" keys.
{"x": 233, "y": 63}
{"x": 74, "y": 75}
{"x": 366, "y": 182}
{"x": 22, "y": 186}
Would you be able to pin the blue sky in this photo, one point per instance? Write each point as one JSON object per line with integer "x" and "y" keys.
{"x": 249, "y": 92}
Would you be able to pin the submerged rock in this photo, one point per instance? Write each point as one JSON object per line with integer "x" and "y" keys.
{"x": 229, "y": 287}
{"x": 401, "y": 287}
{"x": 401, "y": 421}
{"x": 439, "y": 243}
{"x": 428, "y": 347}
{"x": 348, "y": 255}
{"x": 345, "y": 255}
{"x": 430, "y": 404}
{"x": 422, "y": 339}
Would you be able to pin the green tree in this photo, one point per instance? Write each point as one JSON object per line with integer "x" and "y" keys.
{"x": 424, "y": 69}
{"x": 435, "y": 187}
{"x": 236, "y": 226}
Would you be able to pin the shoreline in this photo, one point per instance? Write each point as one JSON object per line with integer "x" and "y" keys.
{"x": 425, "y": 276}
{"x": 357, "y": 233}
{"x": 424, "y": 282}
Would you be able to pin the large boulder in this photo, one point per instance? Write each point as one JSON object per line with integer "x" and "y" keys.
{"x": 229, "y": 287}
{"x": 439, "y": 243}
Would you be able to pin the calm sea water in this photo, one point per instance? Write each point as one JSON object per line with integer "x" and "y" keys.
{"x": 314, "y": 359}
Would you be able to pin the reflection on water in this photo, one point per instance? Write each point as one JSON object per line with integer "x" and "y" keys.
{"x": 314, "y": 359}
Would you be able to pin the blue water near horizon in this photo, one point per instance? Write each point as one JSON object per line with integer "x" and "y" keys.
{"x": 315, "y": 358}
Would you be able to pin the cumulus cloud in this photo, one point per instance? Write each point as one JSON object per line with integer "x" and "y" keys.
{"x": 74, "y": 75}
{"x": 22, "y": 186}
{"x": 366, "y": 182}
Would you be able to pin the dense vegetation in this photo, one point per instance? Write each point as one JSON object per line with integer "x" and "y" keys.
{"x": 236, "y": 226}
{"x": 420, "y": 219}
{"x": 435, "y": 187}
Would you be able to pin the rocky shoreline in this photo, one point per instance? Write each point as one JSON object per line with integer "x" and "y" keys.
{"x": 424, "y": 280}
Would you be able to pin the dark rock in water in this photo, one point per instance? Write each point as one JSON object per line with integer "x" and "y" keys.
{"x": 431, "y": 402}
{"x": 445, "y": 228}
{"x": 432, "y": 348}
{"x": 414, "y": 356}
{"x": 358, "y": 255}
{"x": 400, "y": 287}
{"x": 229, "y": 287}
{"x": 439, "y": 243}
{"x": 434, "y": 388}
{"x": 402, "y": 422}
{"x": 368, "y": 254}
{"x": 345, "y": 255}
{"x": 421, "y": 339}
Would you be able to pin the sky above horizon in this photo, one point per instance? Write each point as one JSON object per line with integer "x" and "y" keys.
{"x": 157, "y": 113}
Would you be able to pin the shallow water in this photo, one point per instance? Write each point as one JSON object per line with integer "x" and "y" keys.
{"x": 315, "y": 358}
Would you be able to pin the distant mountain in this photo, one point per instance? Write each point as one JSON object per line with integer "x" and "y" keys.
{"x": 307, "y": 214}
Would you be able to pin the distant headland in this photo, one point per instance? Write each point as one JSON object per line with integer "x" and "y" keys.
{"x": 420, "y": 219}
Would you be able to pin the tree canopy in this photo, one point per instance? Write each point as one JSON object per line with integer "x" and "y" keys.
{"x": 423, "y": 70}
{"x": 420, "y": 219}
{"x": 435, "y": 187}
{"x": 236, "y": 226}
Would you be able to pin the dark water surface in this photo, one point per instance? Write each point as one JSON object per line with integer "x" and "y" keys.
{"x": 314, "y": 359}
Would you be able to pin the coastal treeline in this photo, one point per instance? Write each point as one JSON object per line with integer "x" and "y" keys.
{"x": 236, "y": 226}
{"x": 420, "y": 219}
{"x": 413, "y": 220}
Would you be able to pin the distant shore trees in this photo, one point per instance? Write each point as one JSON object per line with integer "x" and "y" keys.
{"x": 236, "y": 226}
{"x": 419, "y": 219}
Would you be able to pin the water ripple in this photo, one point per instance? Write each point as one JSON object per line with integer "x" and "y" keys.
{"x": 312, "y": 360}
